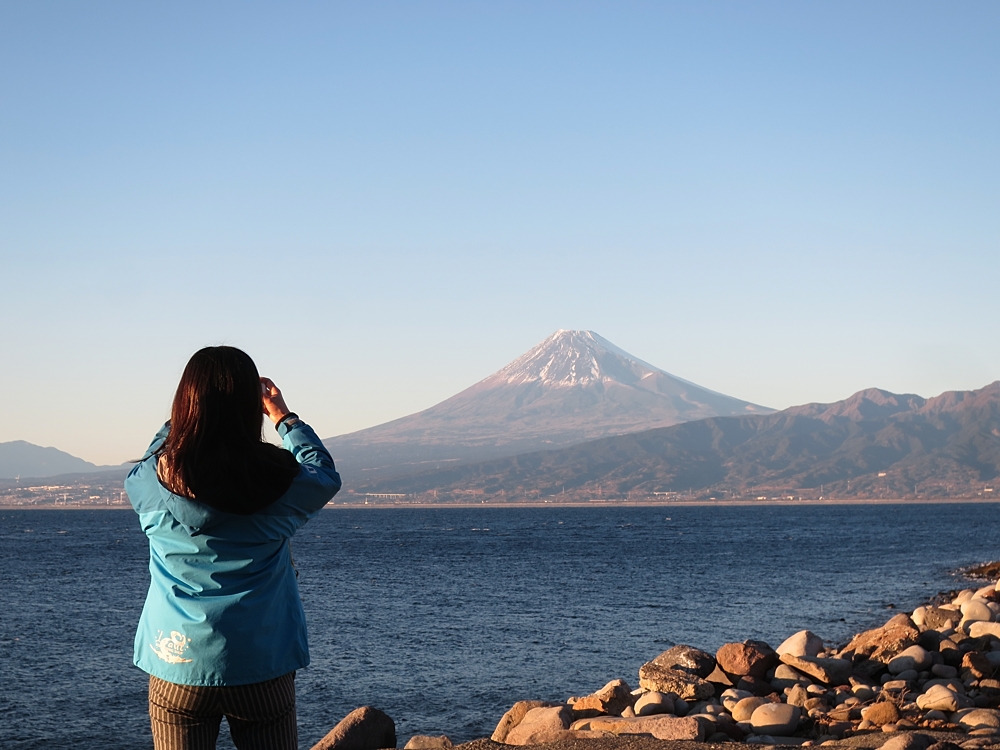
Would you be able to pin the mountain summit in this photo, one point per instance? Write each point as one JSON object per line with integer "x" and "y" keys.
{"x": 573, "y": 386}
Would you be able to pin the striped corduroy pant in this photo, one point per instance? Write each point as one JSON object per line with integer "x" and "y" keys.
{"x": 261, "y": 716}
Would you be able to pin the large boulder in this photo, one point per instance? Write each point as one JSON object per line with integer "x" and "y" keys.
{"x": 665, "y": 680}
{"x": 365, "y": 728}
{"x": 613, "y": 698}
{"x": 687, "y": 659}
{"x": 882, "y": 644}
{"x": 803, "y": 643}
{"x": 514, "y": 716}
{"x": 750, "y": 658}
{"x": 538, "y": 723}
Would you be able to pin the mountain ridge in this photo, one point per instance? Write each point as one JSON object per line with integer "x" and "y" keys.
{"x": 21, "y": 458}
{"x": 871, "y": 443}
{"x": 571, "y": 387}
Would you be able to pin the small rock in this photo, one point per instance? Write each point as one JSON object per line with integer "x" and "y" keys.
{"x": 628, "y": 712}
{"x": 980, "y": 717}
{"x": 863, "y": 693}
{"x": 796, "y": 696}
{"x": 743, "y": 710}
{"x": 755, "y": 685}
{"x": 913, "y": 657}
{"x": 426, "y": 742}
{"x": 944, "y": 745}
{"x": 733, "y": 696}
{"x": 803, "y": 643}
{"x": 882, "y": 713}
{"x": 979, "y": 629}
{"x": 666, "y": 680}
{"x": 941, "y": 698}
{"x": 687, "y": 659}
{"x": 936, "y": 618}
{"x": 652, "y": 703}
{"x": 908, "y": 741}
{"x": 718, "y": 677}
{"x": 365, "y": 728}
{"x": 978, "y": 664}
{"x": 943, "y": 670}
{"x": 750, "y": 658}
{"x": 775, "y": 719}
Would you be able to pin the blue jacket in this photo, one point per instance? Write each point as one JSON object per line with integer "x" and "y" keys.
{"x": 223, "y": 606}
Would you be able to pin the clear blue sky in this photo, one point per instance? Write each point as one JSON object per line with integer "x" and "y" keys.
{"x": 385, "y": 202}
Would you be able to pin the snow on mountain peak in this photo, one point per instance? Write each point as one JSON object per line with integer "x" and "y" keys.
{"x": 572, "y": 358}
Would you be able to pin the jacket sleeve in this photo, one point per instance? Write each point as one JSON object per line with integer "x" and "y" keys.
{"x": 136, "y": 480}
{"x": 319, "y": 480}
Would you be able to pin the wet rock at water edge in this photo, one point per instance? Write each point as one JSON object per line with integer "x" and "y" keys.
{"x": 365, "y": 728}
{"x": 687, "y": 659}
{"x": 664, "y": 680}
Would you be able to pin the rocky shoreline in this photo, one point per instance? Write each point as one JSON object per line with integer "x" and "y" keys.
{"x": 927, "y": 679}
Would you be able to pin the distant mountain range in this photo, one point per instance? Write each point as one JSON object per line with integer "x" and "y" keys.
{"x": 572, "y": 387}
{"x": 19, "y": 458}
{"x": 873, "y": 443}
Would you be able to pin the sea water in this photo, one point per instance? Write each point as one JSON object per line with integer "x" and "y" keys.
{"x": 445, "y": 617}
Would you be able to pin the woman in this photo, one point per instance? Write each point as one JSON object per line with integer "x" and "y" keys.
{"x": 222, "y": 631}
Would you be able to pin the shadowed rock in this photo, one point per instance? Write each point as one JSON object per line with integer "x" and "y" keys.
{"x": 365, "y": 728}
{"x": 613, "y": 698}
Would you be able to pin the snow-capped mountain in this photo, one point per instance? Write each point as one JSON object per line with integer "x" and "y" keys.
{"x": 572, "y": 387}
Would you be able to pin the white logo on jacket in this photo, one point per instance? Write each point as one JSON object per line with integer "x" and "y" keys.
{"x": 171, "y": 648}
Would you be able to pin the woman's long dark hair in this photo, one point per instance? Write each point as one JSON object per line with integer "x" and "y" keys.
{"x": 214, "y": 452}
